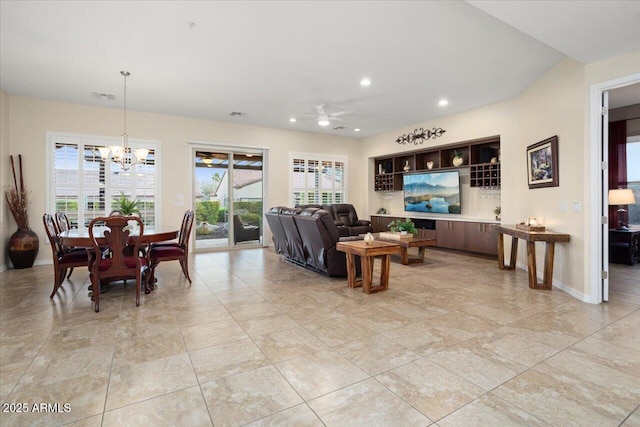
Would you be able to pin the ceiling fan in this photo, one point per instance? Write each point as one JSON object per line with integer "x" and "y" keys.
{"x": 323, "y": 118}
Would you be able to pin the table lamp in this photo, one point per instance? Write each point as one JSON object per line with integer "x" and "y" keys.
{"x": 621, "y": 197}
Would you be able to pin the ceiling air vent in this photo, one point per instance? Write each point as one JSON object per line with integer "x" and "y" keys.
{"x": 339, "y": 128}
{"x": 237, "y": 114}
{"x": 102, "y": 95}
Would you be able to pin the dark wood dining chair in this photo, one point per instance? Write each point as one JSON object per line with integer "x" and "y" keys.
{"x": 113, "y": 245}
{"x": 172, "y": 251}
{"x": 63, "y": 225}
{"x": 63, "y": 259}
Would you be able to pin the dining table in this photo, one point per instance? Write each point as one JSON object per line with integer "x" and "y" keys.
{"x": 75, "y": 237}
{"x": 81, "y": 238}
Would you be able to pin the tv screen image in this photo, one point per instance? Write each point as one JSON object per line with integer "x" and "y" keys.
{"x": 432, "y": 192}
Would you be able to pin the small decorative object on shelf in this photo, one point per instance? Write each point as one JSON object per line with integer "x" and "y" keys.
{"x": 24, "y": 243}
{"x": 368, "y": 238}
{"x": 429, "y": 164}
{"x": 458, "y": 158}
{"x": 531, "y": 225}
{"x": 380, "y": 169}
{"x": 381, "y": 211}
{"x": 497, "y": 211}
{"x": 406, "y": 167}
{"x": 420, "y": 136}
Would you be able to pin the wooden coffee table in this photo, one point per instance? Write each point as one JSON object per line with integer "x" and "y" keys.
{"x": 367, "y": 254}
{"x": 410, "y": 242}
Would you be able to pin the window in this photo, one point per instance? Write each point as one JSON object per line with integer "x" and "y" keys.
{"x": 318, "y": 180}
{"x": 83, "y": 186}
{"x": 633, "y": 179}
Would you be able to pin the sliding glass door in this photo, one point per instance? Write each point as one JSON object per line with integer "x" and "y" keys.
{"x": 228, "y": 198}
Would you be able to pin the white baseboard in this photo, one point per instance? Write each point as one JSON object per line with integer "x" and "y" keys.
{"x": 559, "y": 285}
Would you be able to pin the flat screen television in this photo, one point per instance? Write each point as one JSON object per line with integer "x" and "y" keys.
{"x": 432, "y": 192}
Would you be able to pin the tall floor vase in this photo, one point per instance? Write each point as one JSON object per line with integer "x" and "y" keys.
{"x": 23, "y": 248}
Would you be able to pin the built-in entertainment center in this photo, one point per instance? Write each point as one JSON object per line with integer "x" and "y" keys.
{"x": 481, "y": 156}
{"x": 445, "y": 192}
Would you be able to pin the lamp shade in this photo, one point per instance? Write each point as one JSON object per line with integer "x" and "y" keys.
{"x": 621, "y": 196}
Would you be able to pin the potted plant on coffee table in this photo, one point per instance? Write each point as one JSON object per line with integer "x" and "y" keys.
{"x": 403, "y": 227}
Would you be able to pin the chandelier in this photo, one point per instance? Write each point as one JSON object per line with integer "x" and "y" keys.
{"x": 121, "y": 154}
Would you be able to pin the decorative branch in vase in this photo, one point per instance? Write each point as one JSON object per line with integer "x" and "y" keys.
{"x": 24, "y": 243}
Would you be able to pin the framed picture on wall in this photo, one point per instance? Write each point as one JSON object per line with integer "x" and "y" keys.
{"x": 542, "y": 163}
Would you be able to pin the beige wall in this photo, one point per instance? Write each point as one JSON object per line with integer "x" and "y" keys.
{"x": 495, "y": 119}
{"x": 554, "y": 106}
{"x": 4, "y": 176}
{"x": 551, "y": 106}
{"x": 31, "y": 119}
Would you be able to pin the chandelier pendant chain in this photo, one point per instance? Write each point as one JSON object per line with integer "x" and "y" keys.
{"x": 124, "y": 133}
{"x": 122, "y": 154}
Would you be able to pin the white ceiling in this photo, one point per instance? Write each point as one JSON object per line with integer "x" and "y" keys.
{"x": 278, "y": 59}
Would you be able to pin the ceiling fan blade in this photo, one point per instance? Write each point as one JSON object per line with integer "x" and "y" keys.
{"x": 341, "y": 113}
{"x": 335, "y": 119}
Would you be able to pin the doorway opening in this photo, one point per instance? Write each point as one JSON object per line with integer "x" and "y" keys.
{"x": 228, "y": 197}
{"x": 599, "y": 222}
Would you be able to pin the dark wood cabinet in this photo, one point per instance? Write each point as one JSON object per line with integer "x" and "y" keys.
{"x": 624, "y": 246}
{"x": 450, "y": 234}
{"x": 381, "y": 223}
{"x": 480, "y": 237}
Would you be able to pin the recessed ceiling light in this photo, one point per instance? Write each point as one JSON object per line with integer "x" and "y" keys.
{"x": 443, "y": 102}
{"x": 323, "y": 122}
{"x": 356, "y": 130}
{"x": 365, "y": 82}
{"x": 292, "y": 120}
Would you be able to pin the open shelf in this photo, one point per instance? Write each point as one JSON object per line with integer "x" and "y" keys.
{"x": 477, "y": 155}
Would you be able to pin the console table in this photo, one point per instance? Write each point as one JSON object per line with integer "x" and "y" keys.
{"x": 367, "y": 253}
{"x": 531, "y": 237}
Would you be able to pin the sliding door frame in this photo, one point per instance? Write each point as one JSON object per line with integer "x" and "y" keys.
{"x": 199, "y": 145}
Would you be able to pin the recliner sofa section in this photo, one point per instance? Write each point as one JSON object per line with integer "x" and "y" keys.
{"x": 345, "y": 219}
{"x": 308, "y": 237}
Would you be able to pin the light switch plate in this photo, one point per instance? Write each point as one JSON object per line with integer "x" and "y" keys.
{"x": 577, "y": 206}
{"x": 563, "y": 206}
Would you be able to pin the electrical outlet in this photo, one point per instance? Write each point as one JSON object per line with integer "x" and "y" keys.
{"x": 577, "y": 206}
{"x": 563, "y": 206}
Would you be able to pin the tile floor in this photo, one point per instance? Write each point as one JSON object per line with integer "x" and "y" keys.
{"x": 257, "y": 341}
